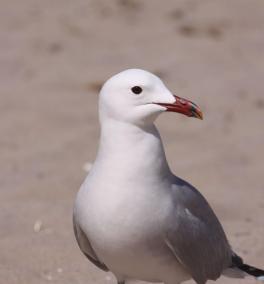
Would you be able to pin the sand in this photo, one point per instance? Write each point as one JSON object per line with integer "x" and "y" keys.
{"x": 54, "y": 56}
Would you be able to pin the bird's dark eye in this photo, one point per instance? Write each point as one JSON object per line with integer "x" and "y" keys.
{"x": 136, "y": 90}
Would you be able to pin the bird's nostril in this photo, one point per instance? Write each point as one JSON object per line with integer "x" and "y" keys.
{"x": 183, "y": 102}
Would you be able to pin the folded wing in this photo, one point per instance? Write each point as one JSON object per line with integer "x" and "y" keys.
{"x": 86, "y": 247}
{"x": 195, "y": 235}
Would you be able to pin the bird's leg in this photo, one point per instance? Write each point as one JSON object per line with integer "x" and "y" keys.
{"x": 121, "y": 282}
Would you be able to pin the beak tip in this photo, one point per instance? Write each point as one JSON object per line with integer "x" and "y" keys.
{"x": 197, "y": 114}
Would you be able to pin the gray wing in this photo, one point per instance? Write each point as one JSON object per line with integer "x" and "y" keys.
{"x": 86, "y": 247}
{"x": 195, "y": 235}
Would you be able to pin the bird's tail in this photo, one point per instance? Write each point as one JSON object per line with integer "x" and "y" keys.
{"x": 251, "y": 270}
{"x": 238, "y": 263}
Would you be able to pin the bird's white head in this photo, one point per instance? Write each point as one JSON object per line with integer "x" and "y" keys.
{"x": 137, "y": 96}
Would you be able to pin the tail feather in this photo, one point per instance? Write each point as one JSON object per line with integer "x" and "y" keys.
{"x": 251, "y": 270}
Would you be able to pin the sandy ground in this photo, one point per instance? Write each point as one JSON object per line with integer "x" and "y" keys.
{"x": 54, "y": 55}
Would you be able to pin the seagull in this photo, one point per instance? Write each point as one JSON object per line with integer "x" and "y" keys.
{"x": 132, "y": 216}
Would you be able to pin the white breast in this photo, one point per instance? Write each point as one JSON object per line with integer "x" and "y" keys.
{"x": 124, "y": 205}
{"x": 126, "y": 229}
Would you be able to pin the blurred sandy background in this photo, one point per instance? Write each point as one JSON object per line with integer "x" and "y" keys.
{"x": 55, "y": 54}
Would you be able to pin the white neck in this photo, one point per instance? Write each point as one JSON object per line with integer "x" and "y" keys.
{"x": 131, "y": 150}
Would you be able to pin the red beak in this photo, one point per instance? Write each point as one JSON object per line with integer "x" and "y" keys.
{"x": 184, "y": 106}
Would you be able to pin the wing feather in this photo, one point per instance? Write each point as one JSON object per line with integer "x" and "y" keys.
{"x": 86, "y": 247}
{"x": 195, "y": 235}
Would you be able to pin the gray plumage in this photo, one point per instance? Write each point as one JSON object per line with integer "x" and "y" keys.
{"x": 196, "y": 236}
